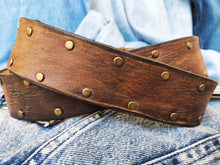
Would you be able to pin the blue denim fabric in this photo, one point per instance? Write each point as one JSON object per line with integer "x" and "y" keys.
{"x": 206, "y": 18}
{"x": 212, "y": 61}
{"x": 65, "y": 14}
{"x": 2, "y": 100}
{"x": 109, "y": 136}
{"x": 147, "y": 20}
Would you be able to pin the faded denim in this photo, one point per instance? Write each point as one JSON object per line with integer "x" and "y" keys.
{"x": 206, "y": 16}
{"x": 109, "y": 136}
{"x": 65, "y": 14}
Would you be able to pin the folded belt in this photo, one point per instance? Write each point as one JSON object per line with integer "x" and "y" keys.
{"x": 53, "y": 74}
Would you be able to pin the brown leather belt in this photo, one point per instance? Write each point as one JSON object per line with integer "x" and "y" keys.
{"x": 53, "y": 74}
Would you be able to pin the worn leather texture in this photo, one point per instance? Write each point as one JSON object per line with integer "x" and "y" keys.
{"x": 90, "y": 65}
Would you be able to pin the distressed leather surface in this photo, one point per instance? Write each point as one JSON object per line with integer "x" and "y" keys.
{"x": 90, "y": 65}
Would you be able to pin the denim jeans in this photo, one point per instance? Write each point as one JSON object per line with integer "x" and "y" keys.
{"x": 206, "y": 16}
{"x": 110, "y": 136}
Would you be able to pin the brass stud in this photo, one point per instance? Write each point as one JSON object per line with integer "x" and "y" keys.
{"x": 189, "y": 45}
{"x": 58, "y": 111}
{"x": 39, "y": 77}
{"x": 11, "y": 62}
{"x": 132, "y": 105}
{"x": 86, "y": 92}
{"x": 26, "y": 83}
{"x": 200, "y": 119}
{"x": 206, "y": 73}
{"x": 20, "y": 113}
{"x": 165, "y": 75}
{"x": 202, "y": 87}
{"x": 118, "y": 61}
{"x": 173, "y": 116}
{"x": 69, "y": 45}
{"x": 29, "y": 31}
{"x": 155, "y": 53}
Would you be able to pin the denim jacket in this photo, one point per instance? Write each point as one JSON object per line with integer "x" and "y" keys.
{"x": 110, "y": 136}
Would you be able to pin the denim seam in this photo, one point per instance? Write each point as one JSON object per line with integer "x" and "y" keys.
{"x": 157, "y": 160}
{"x": 66, "y": 130}
{"x": 205, "y": 155}
{"x": 75, "y": 134}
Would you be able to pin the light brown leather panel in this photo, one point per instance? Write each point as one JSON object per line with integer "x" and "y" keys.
{"x": 90, "y": 65}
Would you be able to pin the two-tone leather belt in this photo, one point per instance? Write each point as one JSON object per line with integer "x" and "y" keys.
{"x": 53, "y": 74}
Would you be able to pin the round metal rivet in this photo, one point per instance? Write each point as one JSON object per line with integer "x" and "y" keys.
{"x": 173, "y": 116}
{"x": 39, "y": 77}
{"x": 189, "y": 45}
{"x": 155, "y": 53}
{"x": 20, "y": 113}
{"x": 11, "y": 62}
{"x": 132, "y": 105}
{"x": 69, "y": 45}
{"x": 202, "y": 87}
{"x": 26, "y": 83}
{"x": 165, "y": 75}
{"x": 58, "y": 111}
{"x": 86, "y": 92}
{"x": 118, "y": 61}
{"x": 200, "y": 118}
{"x": 29, "y": 31}
{"x": 206, "y": 73}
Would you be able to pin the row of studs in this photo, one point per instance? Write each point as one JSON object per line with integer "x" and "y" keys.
{"x": 118, "y": 61}
{"x": 87, "y": 92}
{"x": 155, "y": 53}
{"x": 57, "y": 112}
{"x": 21, "y": 114}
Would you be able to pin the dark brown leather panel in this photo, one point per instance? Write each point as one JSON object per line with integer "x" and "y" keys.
{"x": 90, "y": 65}
{"x": 38, "y": 103}
{"x": 177, "y": 54}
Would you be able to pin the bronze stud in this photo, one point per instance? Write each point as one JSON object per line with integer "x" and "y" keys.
{"x": 200, "y": 119}
{"x": 118, "y": 61}
{"x": 202, "y": 87}
{"x": 69, "y": 45}
{"x": 132, "y": 105}
{"x": 20, "y": 113}
{"x": 155, "y": 53}
{"x": 39, "y": 77}
{"x": 26, "y": 83}
{"x": 165, "y": 75}
{"x": 58, "y": 111}
{"x": 173, "y": 116}
{"x": 189, "y": 45}
{"x": 29, "y": 31}
{"x": 86, "y": 92}
{"x": 11, "y": 62}
{"x": 206, "y": 73}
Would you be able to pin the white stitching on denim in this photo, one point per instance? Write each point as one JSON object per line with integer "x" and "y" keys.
{"x": 50, "y": 140}
{"x": 182, "y": 150}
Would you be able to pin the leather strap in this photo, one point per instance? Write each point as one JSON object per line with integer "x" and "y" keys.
{"x": 72, "y": 75}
